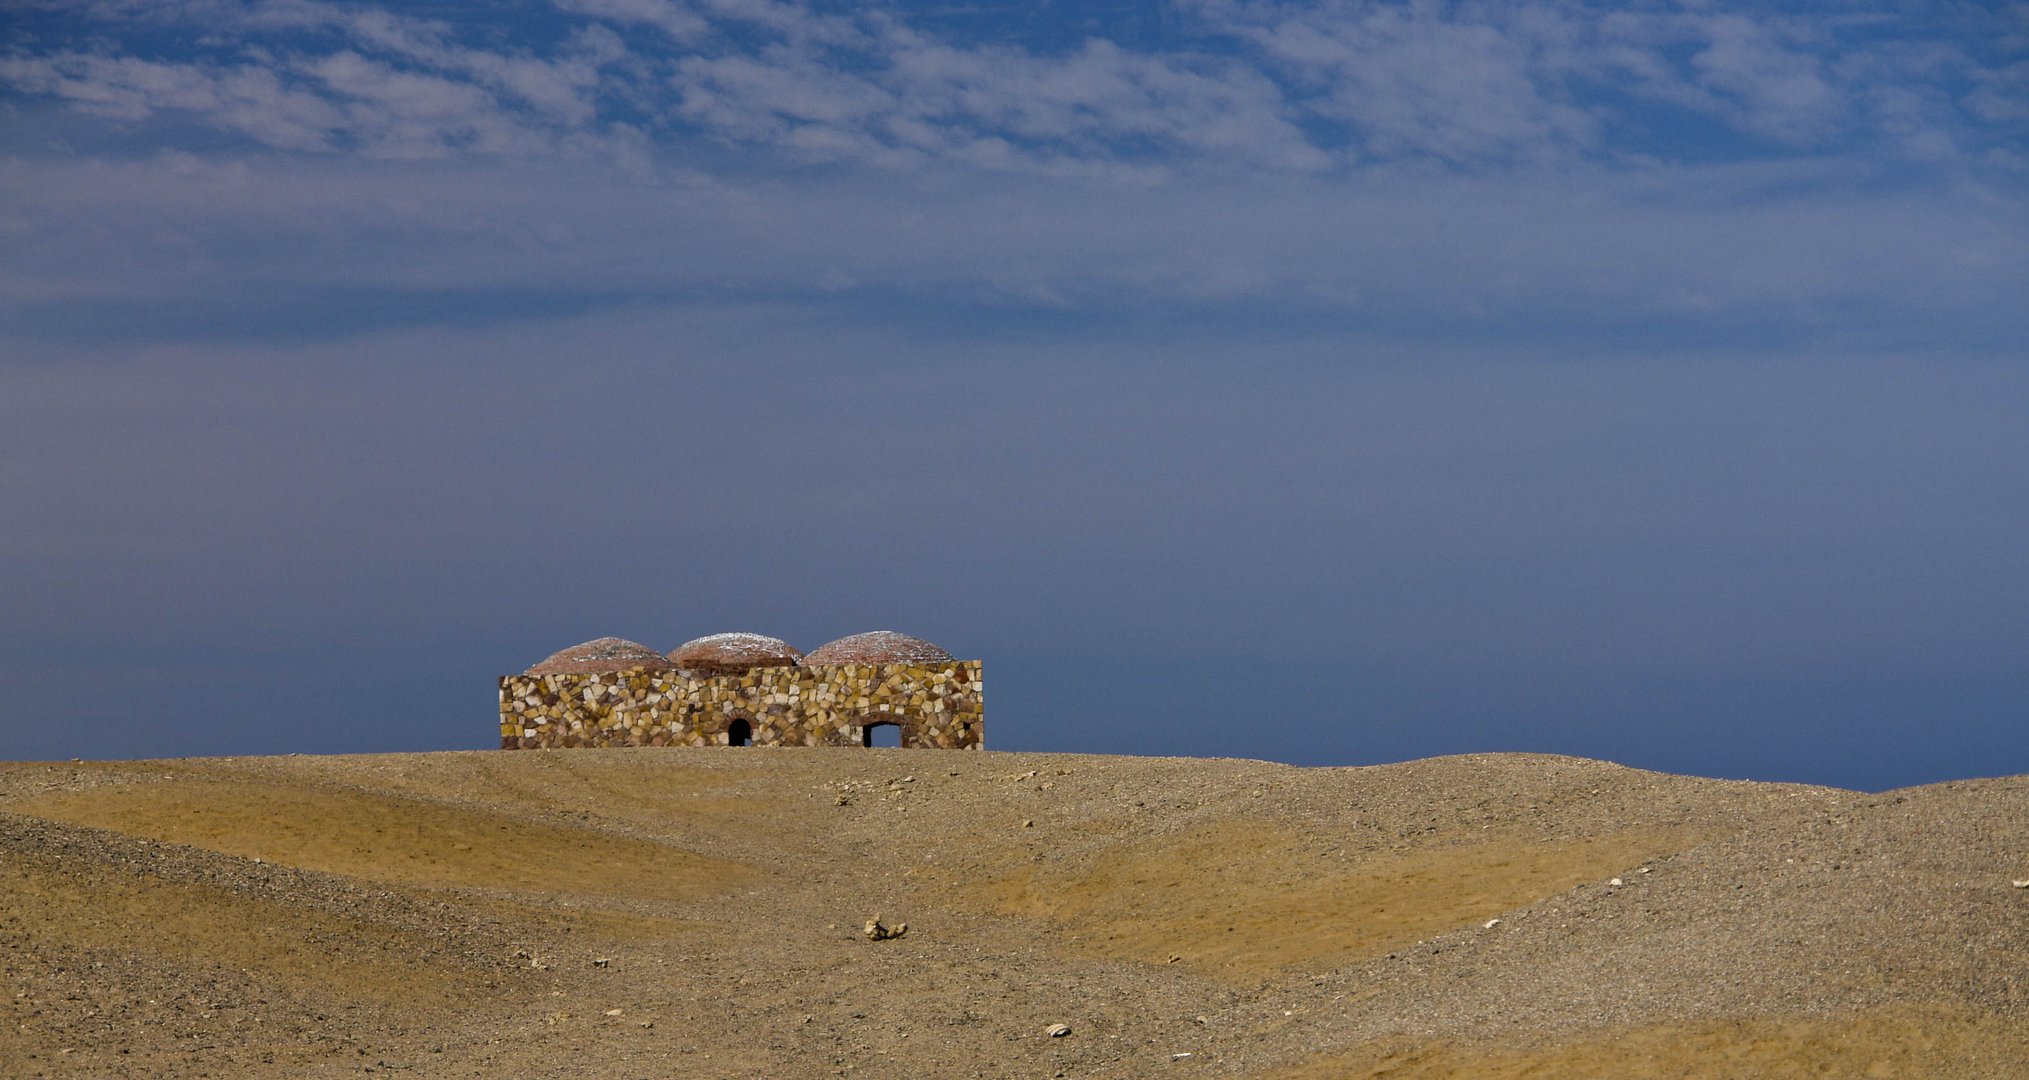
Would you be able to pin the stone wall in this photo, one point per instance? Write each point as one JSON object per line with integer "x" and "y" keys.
{"x": 937, "y": 706}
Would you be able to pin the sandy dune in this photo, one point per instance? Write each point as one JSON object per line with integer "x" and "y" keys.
{"x": 697, "y": 913}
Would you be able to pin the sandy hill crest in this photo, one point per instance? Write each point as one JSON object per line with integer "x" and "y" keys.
{"x": 698, "y": 913}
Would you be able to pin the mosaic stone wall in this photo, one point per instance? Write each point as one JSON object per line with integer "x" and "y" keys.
{"x": 937, "y": 706}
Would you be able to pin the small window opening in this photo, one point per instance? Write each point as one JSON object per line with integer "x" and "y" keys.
{"x": 739, "y": 733}
{"x": 883, "y": 733}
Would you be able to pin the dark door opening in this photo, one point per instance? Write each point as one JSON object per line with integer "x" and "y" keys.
{"x": 739, "y": 733}
{"x": 883, "y": 733}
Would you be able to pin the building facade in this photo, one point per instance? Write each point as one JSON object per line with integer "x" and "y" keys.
{"x": 733, "y": 693}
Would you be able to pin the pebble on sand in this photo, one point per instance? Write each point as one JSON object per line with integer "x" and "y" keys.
{"x": 876, "y": 930}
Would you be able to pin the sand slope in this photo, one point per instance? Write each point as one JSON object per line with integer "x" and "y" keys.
{"x": 636, "y": 913}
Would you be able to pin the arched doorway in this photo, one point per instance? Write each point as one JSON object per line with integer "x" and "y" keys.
{"x": 739, "y": 733}
{"x": 881, "y": 734}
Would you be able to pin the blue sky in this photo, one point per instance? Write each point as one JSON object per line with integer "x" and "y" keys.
{"x": 1331, "y": 383}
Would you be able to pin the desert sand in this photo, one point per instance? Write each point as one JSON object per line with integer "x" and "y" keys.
{"x": 700, "y": 913}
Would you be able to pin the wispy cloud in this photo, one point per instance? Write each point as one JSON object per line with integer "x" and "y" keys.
{"x": 1762, "y": 76}
{"x": 250, "y": 100}
{"x": 674, "y": 19}
{"x": 1382, "y": 164}
{"x": 1414, "y": 80}
{"x": 995, "y": 107}
{"x": 1267, "y": 86}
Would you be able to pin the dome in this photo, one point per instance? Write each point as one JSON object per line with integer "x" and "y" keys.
{"x": 602, "y": 655}
{"x": 734, "y": 652}
{"x": 878, "y": 647}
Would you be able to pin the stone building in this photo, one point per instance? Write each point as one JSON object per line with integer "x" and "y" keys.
{"x": 745, "y": 689}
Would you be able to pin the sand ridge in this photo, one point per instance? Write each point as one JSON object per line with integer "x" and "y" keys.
{"x": 1246, "y": 900}
{"x": 696, "y": 912}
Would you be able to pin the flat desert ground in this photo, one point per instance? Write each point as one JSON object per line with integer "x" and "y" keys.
{"x": 699, "y": 913}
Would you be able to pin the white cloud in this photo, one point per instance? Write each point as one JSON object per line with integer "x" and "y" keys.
{"x": 247, "y": 99}
{"x": 1472, "y": 83}
{"x": 1086, "y": 176}
{"x": 1100, "y": 93}
{"x": 995, "y": 106}
{"x": 2002, "y": 95}
{"x": 675, "y": 19}
{"x": 1263, "y": 86}
{"x": 560, "y": 87}
{"x": 1772, "y": 88}
{"x": 1413, "y": 81}
{"x": 404, "y": 88}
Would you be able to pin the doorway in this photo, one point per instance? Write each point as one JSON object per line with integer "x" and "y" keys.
{"x": 882, "y": 734}
{"x": 739, "y": 733}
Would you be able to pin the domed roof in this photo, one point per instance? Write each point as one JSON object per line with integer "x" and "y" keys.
{"x": 878, "y": 647}
{"x": 602, "y": 655}
{"x": 734, "y": 652}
